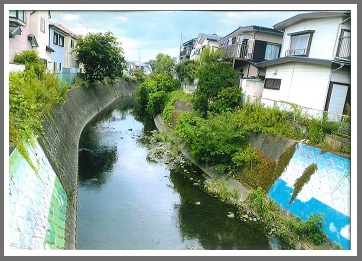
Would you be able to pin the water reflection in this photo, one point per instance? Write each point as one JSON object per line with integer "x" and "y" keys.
{"x": 205, "y": 218}
{"x": 126, "y": 202}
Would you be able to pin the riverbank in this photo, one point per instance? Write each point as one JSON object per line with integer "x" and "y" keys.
{"x": 243, "y": 192}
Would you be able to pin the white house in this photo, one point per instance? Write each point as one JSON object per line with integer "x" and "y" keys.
{"x": 247, "y": 45}
{"x": 202, "y": 41}
{"x": 313, "y": 70}
{"x": 29, "y": 30}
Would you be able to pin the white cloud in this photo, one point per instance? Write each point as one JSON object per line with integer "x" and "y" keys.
{"x": 122, "y": 18}
{"x": 70, "y": 17}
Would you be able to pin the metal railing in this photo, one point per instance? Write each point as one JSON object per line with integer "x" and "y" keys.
{"x": 296, "y": 52}
{"x": 344, "y": 48}
{"x": 296, "y": 109}
{"x": 236, "y": 51}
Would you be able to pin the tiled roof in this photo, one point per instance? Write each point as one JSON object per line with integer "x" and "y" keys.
{"x": 65, "y": 29}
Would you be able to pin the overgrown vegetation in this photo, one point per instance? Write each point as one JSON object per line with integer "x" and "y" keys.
{"x": 289, "y": 228}
{"x": 32, "y": 95}
{"x": 302, "y": 180}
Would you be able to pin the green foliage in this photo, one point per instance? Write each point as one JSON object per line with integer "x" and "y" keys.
{"x": 153, "y": 84}
{"x": 30, "y": 100}
{"x": 211, "y": 141}
{"x": 227, "y": 100}
{"x": 139, "y": 74}
{"x": 246, "y": 157}
{"x": 311, "y": 230}
{"x": 220, "y": 188}
{"x": 187, "y": 71}
{"x": 315, "y": 131}
{"x": 212, "y": 78}
{"x": 208, "y": 56}
{"x": 290, "y": 229}
{"x": 156, "y": 103}
{"x": 32, "y": 61}
{"x": 101, "y": 55}
{"x": 164, "y": 64}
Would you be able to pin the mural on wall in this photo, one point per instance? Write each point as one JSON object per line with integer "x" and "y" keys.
{"x": 327, "y": 192}
{"x": 37, "y": 202}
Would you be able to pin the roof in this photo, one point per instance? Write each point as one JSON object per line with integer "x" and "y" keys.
{"x": 300, "y": 59}
{"x": 313, "y": 15}
{"x": 189, "y": 41}
{"x": 254, "y": 28}
{"x": 214, "y": 37}
{"x": 64, "y": 29}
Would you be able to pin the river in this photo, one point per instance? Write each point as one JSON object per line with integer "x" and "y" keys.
{"x": 127, "y": 200}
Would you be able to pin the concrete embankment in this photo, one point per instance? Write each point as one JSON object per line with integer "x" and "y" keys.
{"x": 43, "y": 206}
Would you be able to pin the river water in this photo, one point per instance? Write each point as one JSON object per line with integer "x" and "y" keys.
{"x": 128, "y": 202}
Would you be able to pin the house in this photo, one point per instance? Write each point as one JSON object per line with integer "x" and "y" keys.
{"x": 313, "y": 70}
{"x": 63, "y": 41}
{"x": 29, "y": 30}
{"x": 186, "y": 48}
{"x": 144, "y": 67}
{"x": 202, "y": 41}
{"x": 245, "y": 47}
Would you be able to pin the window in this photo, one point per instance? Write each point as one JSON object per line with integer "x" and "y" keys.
{"x": 61, "y": 40}
{"x": 71, "y": 43}
{"x": 55, "y": 38}
{"x": 300, "y": 43}
{"x": 272, "y": 51}
{"x": 273, "y": 84}
{"x": 42, "y": 25}
{"x": 18, "y": 15}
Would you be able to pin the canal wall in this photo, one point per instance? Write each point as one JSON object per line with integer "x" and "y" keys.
{"x": 43, "y": 186}
{"x": 327, "y": 192}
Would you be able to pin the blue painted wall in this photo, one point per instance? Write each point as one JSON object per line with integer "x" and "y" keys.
{"x": 327, "y": 192}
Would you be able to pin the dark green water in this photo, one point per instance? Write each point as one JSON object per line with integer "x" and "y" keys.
{"x": 126, "y": 202}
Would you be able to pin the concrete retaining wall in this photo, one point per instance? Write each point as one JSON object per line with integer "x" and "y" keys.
{"x": 58, "y": 148}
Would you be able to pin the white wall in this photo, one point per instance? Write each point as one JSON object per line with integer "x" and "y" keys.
{"x": 324, "y": 37}
{"x": 252, "y": 87}
{"x": 302, "y": 84}
{"x": 20, "y": 42}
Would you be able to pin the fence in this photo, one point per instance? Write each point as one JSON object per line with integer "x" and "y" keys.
{"x": 300, "y": 111}
{"x": 67, "y": 77}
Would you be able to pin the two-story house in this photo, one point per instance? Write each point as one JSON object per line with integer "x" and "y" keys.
{"x": 29, "y": 30}
{"x": 246, "y": 46}
{"x": 186, "y": 48}
{"x": 313, "y": 70}
{"x": 202, "y": 41}
{"x": 63, "y": 41}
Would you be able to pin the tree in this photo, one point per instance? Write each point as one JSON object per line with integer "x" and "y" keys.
{"x": 212, "y": 78}
{"x": 101, "y": 55}
{"x": 164, "y": 64}
{"x": 209, "y": 56}
{"x": 187, "y": 71}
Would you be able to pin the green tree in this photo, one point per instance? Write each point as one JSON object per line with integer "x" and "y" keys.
{"x": 209, "y": 56}
{"x": 212, "y": 78}
{"x": 164, "y": 64}
{"x": 187, "y": 71}
{"x": 101, "y": 55}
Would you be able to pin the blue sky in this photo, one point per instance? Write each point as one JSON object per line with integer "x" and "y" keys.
{"x": 148, "y": 30}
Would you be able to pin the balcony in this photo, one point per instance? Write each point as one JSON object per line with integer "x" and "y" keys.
{"x": 185, "y": 53}
{"x": 344, "y": 48}
{"x": 236, "y": 51}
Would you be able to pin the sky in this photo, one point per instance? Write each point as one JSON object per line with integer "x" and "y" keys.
{"x": 151, "y": 29}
